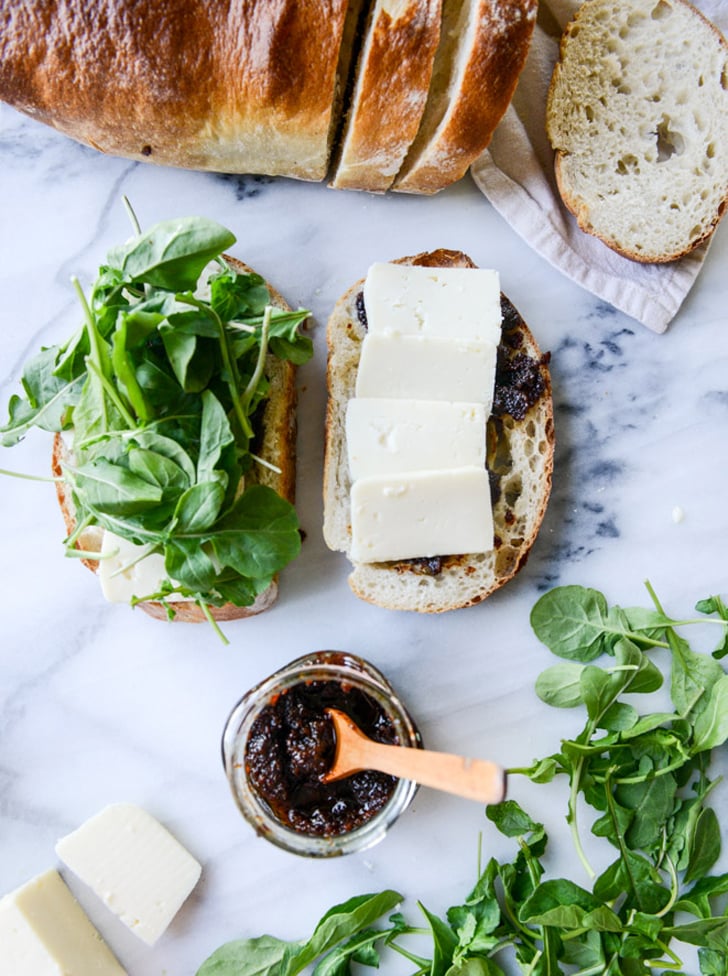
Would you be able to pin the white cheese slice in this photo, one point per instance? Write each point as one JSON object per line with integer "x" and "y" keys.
{"x": 385, "y": 436}
{"x": 427, "y": 368}
{"x": 134, "y": 865}
{"x": 45, "y": 932}
{"x": 123, "y": 574}
{"x": 446, "y": 302}
{"x": 421, "y": 514}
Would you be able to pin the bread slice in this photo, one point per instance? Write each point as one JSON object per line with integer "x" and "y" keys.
{"x": 277, "y": 447}
{"x": 520, "y": 447}
{"x": 637, "y": 113}
{"x": 390, "y": 90}
{"x": 233, "y": 88}
{"x": 483, "y": 46}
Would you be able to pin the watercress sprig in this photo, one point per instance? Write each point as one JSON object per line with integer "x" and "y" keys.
{"x": 161, "y": 388}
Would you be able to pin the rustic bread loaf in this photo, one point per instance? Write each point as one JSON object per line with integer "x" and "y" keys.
{"x": 277, "y": 448}
{"x": 225, "y": 85}
{"x": 332, "y": 88}
{"x": 482, "y": 49}
{"x": 637, "y": 113}
{"x": 390, "y": 88}
{"x": 520, "y": 446}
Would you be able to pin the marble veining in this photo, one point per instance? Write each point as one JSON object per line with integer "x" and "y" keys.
{"x": 99, "y": 703}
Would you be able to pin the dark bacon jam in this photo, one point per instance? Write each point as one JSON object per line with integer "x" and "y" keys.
{"x": 361, "y": 311}
{"x": 291, "y": 745}
{"x": 519, "y": 380}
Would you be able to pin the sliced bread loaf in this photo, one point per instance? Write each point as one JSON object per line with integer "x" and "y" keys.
{"x": 637, "y": 113}
{"x": 519, "y": 457}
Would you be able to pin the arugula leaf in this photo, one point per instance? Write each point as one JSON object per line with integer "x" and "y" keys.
{"x": 172, "y": 254}
{"x": 246, "y": 957}
{"x": 338, "y": 923}
{"x": 47, "y": 403}
{"x": 563, "y": 904}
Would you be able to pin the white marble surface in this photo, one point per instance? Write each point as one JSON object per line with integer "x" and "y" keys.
{"x": 99, "y": 703}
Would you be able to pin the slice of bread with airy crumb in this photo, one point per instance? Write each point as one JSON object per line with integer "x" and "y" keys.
{"x": 483, "y": 47}
{"x": 519, "y": 457}
{"x": 276, "y": 446}
{"x": 637, "y": 113}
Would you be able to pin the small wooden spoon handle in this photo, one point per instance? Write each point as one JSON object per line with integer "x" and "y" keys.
{"x": 475, "y": 779}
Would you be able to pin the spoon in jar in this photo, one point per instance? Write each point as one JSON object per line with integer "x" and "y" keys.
{"x": 474, "y": 779}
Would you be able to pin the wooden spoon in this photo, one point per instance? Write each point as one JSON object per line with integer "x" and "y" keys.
{"x": 475, "y": 779}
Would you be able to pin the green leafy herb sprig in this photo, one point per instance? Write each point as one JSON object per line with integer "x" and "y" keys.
{"x": 161, "y": 386}
{"x": 645, "y": 774}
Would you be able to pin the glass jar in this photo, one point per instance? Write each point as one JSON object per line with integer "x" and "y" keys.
{"x": 328, "y": 666}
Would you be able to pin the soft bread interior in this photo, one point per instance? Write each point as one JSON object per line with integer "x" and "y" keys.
{"x": 638, "y": 114}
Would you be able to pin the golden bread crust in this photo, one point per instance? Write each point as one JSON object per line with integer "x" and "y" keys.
{"x": 242, "y": 86}
{"x": 458, "y": 124}
{"x": 393, "y": 78}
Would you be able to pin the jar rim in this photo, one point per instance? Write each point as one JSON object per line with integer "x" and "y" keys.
{"x": 316, "y": 665}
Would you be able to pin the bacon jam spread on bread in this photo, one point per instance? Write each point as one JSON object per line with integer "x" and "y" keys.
{"x": 173, "y": 410}
{"x": 517, "y": 459}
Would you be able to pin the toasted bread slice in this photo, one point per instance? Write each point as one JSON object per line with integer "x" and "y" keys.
{"x": 520, "y": 448}
{"x": 277, "y": 448}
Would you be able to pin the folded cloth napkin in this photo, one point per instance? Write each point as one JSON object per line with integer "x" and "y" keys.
{"x": 516, "y": 174}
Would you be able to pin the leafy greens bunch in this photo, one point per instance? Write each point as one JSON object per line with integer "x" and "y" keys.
{"x": 645, "y": 774}
{"x": 162, "y": 386}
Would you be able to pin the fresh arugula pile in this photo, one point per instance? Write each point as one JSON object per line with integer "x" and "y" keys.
{"x": 645, "y": 774}
{"x": 162, "y": 387}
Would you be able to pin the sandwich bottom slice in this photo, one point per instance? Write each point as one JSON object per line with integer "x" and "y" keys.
{"x": 519, "y": 461}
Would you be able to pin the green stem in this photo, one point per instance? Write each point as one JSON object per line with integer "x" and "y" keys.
{"x": 29, "y": 477}
{"x": 93, "y": 339}
{"x": 211, "y": 620}
{"x": 230, "y": 367}
{"x": 112, "y": 394}
{"x": 132, "y": 216}
{"x": 572, "y": 817}
{"x": 663, "y": 771}
{"x": 674, "y": 889}
{"x": 260, "y": 364}
{"x": 79, "y": 529}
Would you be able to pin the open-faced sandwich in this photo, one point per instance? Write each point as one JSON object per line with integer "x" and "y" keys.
{"x": 439, "y": 434}
{"x": 173, "y": 414}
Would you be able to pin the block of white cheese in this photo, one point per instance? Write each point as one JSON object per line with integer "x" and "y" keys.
{"x": 125, "y": 572}
{"x": 445, "y": 302}
{"x": 390, "y": 436}
{"x": 45, "y": 932}
{"x": 427, "y": 368}
{"x": 134, "y": 865}
{"x": 421, "y": 514}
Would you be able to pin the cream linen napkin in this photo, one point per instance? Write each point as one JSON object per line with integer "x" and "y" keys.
{"x": 516, "y": 175}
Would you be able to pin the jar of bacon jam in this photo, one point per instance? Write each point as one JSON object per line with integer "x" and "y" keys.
{"x": 279, "y": 742}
